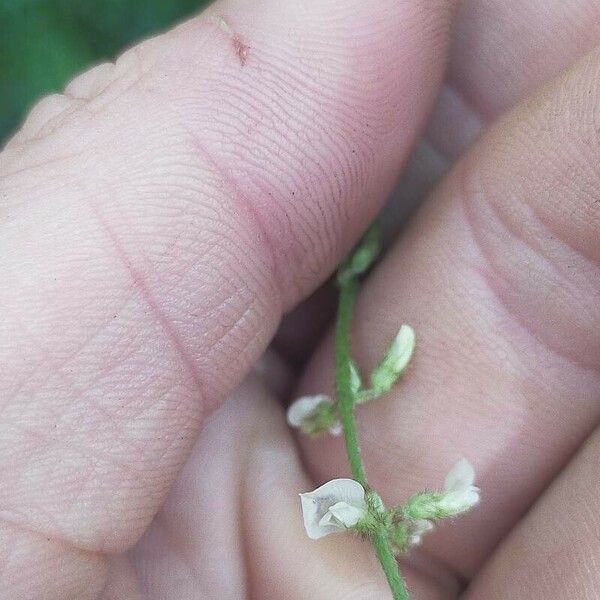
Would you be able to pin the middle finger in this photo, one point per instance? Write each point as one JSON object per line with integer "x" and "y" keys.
{"x": 499, "y": 276}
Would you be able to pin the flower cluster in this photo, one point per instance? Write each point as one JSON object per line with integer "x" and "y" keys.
{"x": 318, "y": 414}
{"x": 395, "y": 362}
{"x": 459, "y": 496}
{"x": 350, "y": 504}
{"x": 341, "y": 505}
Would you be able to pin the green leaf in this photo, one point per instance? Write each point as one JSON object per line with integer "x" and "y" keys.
{"x": 44, "y": 43}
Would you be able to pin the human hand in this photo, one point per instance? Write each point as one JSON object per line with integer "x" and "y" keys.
{"x": 160, "y": 217}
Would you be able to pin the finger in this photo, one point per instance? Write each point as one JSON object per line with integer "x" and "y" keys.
{"x": 121, "y": 581}
{"x": 29, "y": 568}
{"x": 501, "y": 51}
{"x": 555, "y": 550}
{"x": 499, "y": 276}
{"x": 196, "y": 541}
{"x": 159, "y": 217}
{"x": 232, "y": 525}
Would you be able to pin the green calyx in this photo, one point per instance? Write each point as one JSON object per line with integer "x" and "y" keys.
{"x": 394, "y": 525}
{"x": 324, "y": 418}
{"x": 395, "y": 362}
{"x": 428, "y": 506}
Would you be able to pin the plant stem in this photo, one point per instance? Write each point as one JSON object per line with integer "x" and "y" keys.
{"x": 386, "y": 557}
{"x": 345, "y": 399}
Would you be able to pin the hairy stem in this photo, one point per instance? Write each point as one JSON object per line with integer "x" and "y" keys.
{"x": 345, "y": 397}
{"x": 346, "y": 402}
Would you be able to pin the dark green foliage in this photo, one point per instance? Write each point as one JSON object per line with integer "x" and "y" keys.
{"x": 44, "y": 43}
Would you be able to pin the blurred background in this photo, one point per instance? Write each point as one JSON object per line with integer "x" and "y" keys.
{"x": 44, "y": 43}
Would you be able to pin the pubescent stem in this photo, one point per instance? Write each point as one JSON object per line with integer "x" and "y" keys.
{"x": 380, "y": 538}
{"x": 345, "y": 399}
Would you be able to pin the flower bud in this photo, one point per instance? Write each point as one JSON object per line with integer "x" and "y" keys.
{"x": 355, "y": 379}
{"x": 314, "y": 415}
{"x": 362, "y": 257}
{"x": 459, "y": 496}
{"x": 391, "y": 368}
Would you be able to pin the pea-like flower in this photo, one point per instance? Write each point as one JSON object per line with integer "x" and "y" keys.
{"x": 459, "y": 495}
{"x": 314, "y": 415}
{"x": 335, "y": 507}
{"x": 395, "y": 362}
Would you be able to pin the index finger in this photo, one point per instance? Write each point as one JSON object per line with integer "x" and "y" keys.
{"x": 160, "y": 216}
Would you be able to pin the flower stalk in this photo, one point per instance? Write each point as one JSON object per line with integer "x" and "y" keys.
{"x": 348, "y": 284}
{"x": 352, "y": 505}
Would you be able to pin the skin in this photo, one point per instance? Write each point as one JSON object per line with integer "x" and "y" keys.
{"x": 161, "y": 216}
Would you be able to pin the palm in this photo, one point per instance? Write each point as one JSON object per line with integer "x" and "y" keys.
{"x": 505, "y": 374}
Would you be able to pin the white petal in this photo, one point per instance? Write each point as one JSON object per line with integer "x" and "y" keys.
{"x": 472, "y": 496}
{"x": 316, "y": 505}
{"x": 340, "y": 490}
{"x": 461, "y": 476}
{"x": 313, "y": 515}
{"x": 403, "y": 347}
{"x": 336, "y": 429}
{"x": 328, "y": 520}
{"x": 418, "y": 529}
{"x": 456, "y": 502}
{"x": 355, "y": 378}
{"x": 421, "y": 526}
{"x": 304, "y": 407}
{"x": 347, "y": 514}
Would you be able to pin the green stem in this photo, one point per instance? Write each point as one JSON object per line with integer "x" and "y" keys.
{"x": 342, "y": 374}
{"x": 389, "y": 565}
{"x": 345, "y": 400}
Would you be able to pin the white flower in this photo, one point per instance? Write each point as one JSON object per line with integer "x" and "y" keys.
{"x": 402, "y": 348}
{"x": 310, "y": 412}
{"x": 304, "y": 407}
{"x": 336, "y": 506}
{"x": 396, "y": 360}
{"x": 418, "y": 529}
{"x": 460, "y": 494}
